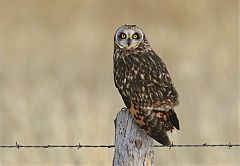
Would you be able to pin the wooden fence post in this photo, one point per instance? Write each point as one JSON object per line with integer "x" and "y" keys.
{"x": 133, "y": 147}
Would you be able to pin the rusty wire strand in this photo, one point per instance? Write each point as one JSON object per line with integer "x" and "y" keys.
{"x": 78, "y": 146}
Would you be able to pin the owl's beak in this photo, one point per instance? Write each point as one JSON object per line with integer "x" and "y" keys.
{"x": 128, "y": 42}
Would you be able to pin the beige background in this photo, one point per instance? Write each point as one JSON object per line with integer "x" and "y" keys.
{"x": 56, "y": 81}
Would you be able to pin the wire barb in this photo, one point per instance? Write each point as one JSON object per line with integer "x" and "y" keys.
{"x": 171, "y": 146}
{"x": 17, "y": 145}
{"x": 79, "y": 146}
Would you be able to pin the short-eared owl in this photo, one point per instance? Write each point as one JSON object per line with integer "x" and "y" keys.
{"x": 144, "y": 83}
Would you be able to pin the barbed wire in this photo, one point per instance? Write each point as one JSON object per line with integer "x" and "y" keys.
{"x": 78, "y": 146}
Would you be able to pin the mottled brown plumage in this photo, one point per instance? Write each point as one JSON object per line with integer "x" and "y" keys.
{"x": 144, "y": 83}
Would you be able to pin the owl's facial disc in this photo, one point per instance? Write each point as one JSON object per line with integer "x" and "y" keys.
{"x": 128, "y": 38}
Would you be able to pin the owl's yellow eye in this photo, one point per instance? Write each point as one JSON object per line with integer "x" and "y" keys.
{"x": 123, "y": 36}
{"x": 135, "y": 36}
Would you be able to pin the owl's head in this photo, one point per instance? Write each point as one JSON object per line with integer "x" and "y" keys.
{"x": 128, "y": 37}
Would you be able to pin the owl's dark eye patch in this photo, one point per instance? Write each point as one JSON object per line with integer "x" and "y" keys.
{"x": 136, "y": 36}
{"x": 122, "y": 35}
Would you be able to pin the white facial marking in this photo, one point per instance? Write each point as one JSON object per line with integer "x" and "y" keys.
{"x": 129, "y": 37}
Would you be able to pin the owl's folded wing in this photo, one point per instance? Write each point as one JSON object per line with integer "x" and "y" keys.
{"x": 147, "y": 82}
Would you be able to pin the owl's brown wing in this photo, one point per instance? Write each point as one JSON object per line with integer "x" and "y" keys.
{"x": 147, "y": 90}
{"x": 145, "y": 80}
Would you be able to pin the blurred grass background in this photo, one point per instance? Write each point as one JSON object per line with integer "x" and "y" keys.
{"x": 56, "y": 81}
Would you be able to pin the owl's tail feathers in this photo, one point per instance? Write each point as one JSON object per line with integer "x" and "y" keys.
{"x": 173, "y": 119}
{"x": 156, "y": 128}
{"x": 161, "y": 137}
{"x": 155, "y": 123}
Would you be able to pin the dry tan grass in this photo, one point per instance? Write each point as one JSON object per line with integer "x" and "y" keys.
{"x": 56, "y": 81}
